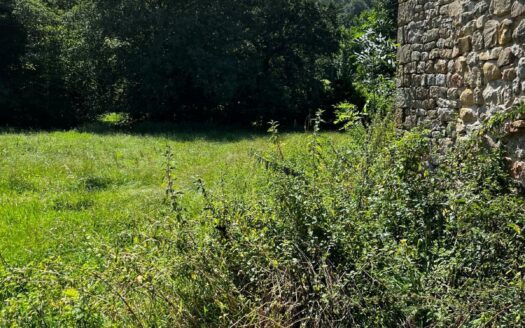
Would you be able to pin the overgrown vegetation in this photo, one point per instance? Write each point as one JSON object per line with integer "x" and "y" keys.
{"x": 379, "y": 229}
{"x": 369, "y": 227}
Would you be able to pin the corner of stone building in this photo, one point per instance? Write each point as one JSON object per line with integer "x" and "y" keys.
{"x": 461, "y": 62}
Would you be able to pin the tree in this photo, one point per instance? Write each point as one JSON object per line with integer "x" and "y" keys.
{"x": 46, "y": 75}
{"x": 225, "y": 59}
{"x": 234, "y": 60}
{"x": 13, "y": 40}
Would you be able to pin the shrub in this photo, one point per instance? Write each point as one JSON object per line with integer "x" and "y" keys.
{"x": 386, "y": 230}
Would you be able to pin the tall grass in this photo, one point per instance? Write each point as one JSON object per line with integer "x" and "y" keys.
{"x": 380, "y": 229}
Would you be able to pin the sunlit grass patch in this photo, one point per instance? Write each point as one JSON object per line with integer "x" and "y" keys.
{"x": 58, "y": 187}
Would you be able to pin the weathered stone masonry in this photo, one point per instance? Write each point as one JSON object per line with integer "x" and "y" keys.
{"x": 461, "y": 61}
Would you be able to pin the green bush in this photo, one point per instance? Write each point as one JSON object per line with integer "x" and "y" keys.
{"x": 387, "y": 230}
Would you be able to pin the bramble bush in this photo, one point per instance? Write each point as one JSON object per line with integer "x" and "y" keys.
{"x": 386, "y": 230}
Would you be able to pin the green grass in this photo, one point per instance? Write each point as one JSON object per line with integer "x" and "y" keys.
{"x": 59, "y": 189}
{"x": 340, "y": 229}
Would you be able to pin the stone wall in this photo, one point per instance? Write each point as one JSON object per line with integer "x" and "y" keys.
{"x": 461, "y": 61}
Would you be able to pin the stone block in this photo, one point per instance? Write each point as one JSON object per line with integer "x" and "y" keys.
{"x": 467, "y": 98}
{"x": 491, "y": 71}
{"x": 518, "y": 8}
{"x": 506, "y": 57}
{"x": 519, "y": 33}
{"x": 501, "y": 7}
{"x": 490, "y": 33}
{"x": 467, "y": 115}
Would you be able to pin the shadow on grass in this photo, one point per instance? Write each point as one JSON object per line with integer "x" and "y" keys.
{"x": 172, "y": 131}
{"x": 177, "y": 131}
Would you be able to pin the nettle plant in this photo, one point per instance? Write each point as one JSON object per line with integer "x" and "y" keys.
{"x": 383, "y": 230}
{"x": 386, "y": 230}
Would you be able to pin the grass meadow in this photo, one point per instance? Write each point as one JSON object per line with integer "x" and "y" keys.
{"x": 166, "y": 226}
{"x": 59, "y": 189}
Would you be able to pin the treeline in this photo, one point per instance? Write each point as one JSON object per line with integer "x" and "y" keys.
{"x": 65, "y": 62}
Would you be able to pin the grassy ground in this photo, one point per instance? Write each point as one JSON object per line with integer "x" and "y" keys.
{"x": 366, "y": 229}
{"x": 58, "y": 189}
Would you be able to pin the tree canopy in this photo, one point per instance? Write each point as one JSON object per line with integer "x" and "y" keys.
{"x": 65, "y": 62}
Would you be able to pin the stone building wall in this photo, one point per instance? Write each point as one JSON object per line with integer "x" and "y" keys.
{"x": 461, "y": 61}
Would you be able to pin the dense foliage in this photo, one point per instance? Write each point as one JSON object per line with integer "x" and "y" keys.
{"x": 64, "y": 62}
{"x": 46, "y": 67}
{"x": 386, "y": 230}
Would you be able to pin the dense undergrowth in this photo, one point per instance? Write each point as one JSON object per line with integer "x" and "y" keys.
{"x": 386, "y": 230}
